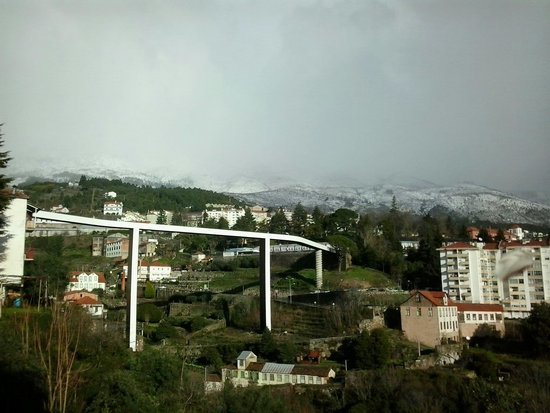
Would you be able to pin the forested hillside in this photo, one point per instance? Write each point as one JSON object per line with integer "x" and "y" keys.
{"x": 87, "y": 198}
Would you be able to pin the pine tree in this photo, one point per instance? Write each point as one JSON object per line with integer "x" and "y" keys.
{"x": 5, "y": 197}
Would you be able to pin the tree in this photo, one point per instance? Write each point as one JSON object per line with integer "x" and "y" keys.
{"x": 162, "y": 218}
{"x": 5, "y": 199}
{"x": 484, "y": 236}
{"x": 537, "y": 330}
{"x": 315, "y": 229}
{"x": 149, "y": 290}
{"x": 299, "y": 220}
{"x": 246, "y": 222}
{"x": 279, "y": 223}
{"x": 342, "y": 220}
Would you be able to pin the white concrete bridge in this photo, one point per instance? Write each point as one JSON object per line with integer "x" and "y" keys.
{"x": 135, "y": 228}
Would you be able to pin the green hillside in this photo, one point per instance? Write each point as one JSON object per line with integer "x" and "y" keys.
{"x": 87, "y": 198}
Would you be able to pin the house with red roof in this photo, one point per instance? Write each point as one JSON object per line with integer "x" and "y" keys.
{"x": 432, "y": 318}
{"x": 86, "y": 281}
{"x": 86, "y": 300}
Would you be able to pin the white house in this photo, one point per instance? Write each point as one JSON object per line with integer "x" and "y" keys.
{"x": 249, "y": 371}
{"x": 86, "y": 281}
{"x": 152, "y": 271}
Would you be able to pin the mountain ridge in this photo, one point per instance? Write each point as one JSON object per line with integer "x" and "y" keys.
{"x": 418, "y": 196}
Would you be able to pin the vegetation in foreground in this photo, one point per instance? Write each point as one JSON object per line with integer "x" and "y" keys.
{"x": 55, "y": 361}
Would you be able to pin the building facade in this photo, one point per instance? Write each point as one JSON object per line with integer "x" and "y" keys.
{"x": 86, "y": 281}
{"x": 249, "y": 372}
{"x": 113, "y": 208}
{"x": 431, "y": 318}
{"x": 468, "y": 274}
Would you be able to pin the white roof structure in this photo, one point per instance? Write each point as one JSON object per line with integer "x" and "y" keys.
{"x": 277, "y": 368}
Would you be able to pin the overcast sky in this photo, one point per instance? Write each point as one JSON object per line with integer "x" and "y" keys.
{"x": 324, "y": 91}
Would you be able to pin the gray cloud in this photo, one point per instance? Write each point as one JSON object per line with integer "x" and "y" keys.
{"x": 446, "y": 91}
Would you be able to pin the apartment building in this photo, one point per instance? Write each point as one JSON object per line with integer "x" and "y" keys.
{"x": 228, "y": 212}
{"x": 468, "y": 274}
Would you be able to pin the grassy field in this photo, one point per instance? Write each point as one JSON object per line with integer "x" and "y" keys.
{"x": 302, "y": 281}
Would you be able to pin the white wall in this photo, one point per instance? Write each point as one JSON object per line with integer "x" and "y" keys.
{"x": 14, "y": 248}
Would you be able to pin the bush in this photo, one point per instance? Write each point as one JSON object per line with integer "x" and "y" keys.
{"x": 148, "y": 313}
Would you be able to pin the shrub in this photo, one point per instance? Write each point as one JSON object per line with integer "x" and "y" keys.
{"x": 148, "y": 313}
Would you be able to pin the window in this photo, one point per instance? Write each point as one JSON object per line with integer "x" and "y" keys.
{"x": 418, "y": 311}
{"x": 474, "y": 317}
{"x": 318, "y": 379}
{"x": 486, "y": 317}
{"x": 430, "y": 312}
{"x": 480, "y": 317}
{"x": 492, "y": 317}
{"x": 408, "y": 311}
{"x": 302, "y": 379}
{"x": 467, "y": 316}
{"x": 272, "y": 377}
{"x": 242, "y": 374}
{"x": 310, "y": 380}
{"x": 417, "y": 298}
{"x": 294, "y": 378}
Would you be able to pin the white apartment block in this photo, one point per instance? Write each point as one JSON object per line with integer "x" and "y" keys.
{"x": 231, "y": 214}
{"x": 112, "y": 208}
{"x": 468, "y": 274}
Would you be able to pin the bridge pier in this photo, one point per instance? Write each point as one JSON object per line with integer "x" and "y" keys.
{"x": 318, "y": 269}
{"x": 131, "y": 292}
{"x": 265, "y": 284}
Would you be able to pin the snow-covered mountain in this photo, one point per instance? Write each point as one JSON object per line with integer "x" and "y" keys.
{"x": 418, "y": 196}
{"x": 467, "y": 200}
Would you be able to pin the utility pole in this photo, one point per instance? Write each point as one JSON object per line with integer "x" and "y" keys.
{"x": 290, "y": 290}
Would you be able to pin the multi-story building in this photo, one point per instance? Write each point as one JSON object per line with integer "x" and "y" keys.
{"x": 86, "y": 281}
{"x": 468, "y": 274}
{"x": 431, "y": 318}
{"x": 112, "y": 208}
{"x": 228, "y": 212}
{"x": 97, "y": 246}
{"x": 117, "y": 248}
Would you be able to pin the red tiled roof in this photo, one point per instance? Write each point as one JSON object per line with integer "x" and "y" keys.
{"x": 491, "y": 246}
{"x": 457, "y": 246}
{"x": 311, "y": 370}
{"x": 86, "y": 301}
{"x": 479, "y": 307}
{"x": 255, "y": 366}
{"x": 153, "y": 264}
{"x": 74, "y": 276}
{"x": 435, "y": 297}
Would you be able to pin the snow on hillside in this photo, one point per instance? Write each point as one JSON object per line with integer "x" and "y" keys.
{"x": 414, "y": 195}
{"x": 465, "y": 199}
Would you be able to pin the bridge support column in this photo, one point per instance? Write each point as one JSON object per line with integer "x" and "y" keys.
{"x": 319, "y": 269}
{"x": 265, "y": 284}
{"x": 131, "y": 289}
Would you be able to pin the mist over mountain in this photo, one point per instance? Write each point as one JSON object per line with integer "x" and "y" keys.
{"x": 415, "y": 195}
